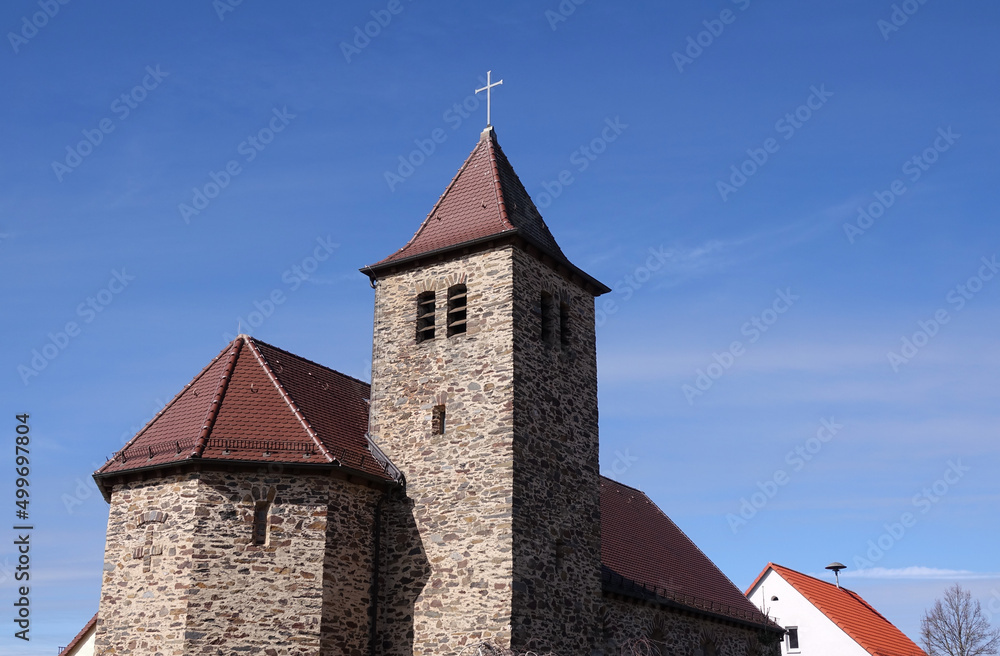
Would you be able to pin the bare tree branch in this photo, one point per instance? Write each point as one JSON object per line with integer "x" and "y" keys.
{"x": 957, "y": 627}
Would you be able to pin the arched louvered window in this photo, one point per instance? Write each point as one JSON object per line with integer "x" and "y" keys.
{"x": 425, "y": 316}
{"x": 458, "y": 315}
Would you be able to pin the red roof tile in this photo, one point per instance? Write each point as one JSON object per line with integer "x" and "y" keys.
{"x": 855, "y": 616}
{"x": 485, "y": 199}
{"x": 639, "y": 543}
{"x": 79, "y": 636}
{"x": 257, "y": 403}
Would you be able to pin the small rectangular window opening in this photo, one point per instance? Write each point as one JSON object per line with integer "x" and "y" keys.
{"x": 437, "y": 420}
{"x": 425, "y": 316}
{"x": 457, "y": 309}
{"x": 548, "y": 317}
{"x": 260, "y": 513}
{"x": 793, "y": 638}
{"x": 564, "y": 333}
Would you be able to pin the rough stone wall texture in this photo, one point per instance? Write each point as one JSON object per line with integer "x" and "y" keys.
{"x": 347, "y": 568}
{"x": 145, "y": 612}
{"x": 499, "y": 536}
{"x": 673, "y": 633}
{"x": 211, "y": 588}
{"x": 448, "y": 551}
{"x": 557, "y": 541}
{"x": 250, "y": 597}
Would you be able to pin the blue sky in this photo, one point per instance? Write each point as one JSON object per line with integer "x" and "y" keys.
{"x": 744, "y": 313}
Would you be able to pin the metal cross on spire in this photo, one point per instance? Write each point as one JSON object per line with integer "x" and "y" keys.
{"x": 489, "y": 85}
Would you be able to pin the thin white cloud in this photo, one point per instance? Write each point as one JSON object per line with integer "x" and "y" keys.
{"x": 917, "y": 573}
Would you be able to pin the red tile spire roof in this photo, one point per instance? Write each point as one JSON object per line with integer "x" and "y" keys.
{"x": 641, "y": 545}
{"x": 257, "y": 403}
{"x": 845, "y": 608}
{"x": 484, "y": 201}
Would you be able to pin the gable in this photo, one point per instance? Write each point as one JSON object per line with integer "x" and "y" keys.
{"x": 847, "y": 610}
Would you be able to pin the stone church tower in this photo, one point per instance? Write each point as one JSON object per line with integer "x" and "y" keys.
{"x": 276, "y": 507}
{"x": 484, "y": 392}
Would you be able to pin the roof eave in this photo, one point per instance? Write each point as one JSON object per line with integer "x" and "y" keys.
{"x": 664, "y": 602}
{"x": 595, "y": 286}
{"x": 220, "y": 463}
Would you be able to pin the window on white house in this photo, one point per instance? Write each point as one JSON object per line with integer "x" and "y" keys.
{"x": 793, "y": 638}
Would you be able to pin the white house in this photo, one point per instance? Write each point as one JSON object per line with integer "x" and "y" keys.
{"x": 822, "y": 619}
{"x": 83, "y": 643}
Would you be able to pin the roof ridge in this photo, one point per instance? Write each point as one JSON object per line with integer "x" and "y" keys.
{"x": 164, "y": 409}
{"x": 312, "y": 362}
{"x": 609, "y": 479}
{"x": 440, "y": 199}
{"x": 220, "y": 393}
{"x": 288, "y": 399}
{"x": 491, "y": 147}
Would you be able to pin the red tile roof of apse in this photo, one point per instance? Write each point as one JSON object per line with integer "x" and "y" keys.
{"x": 642, "y": 546}
{"x": 484, "y": 201}
{"x": 845, "y": 608}
{"x": 255, "y": 403}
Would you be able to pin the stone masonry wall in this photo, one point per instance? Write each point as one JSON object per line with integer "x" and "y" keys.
{"x": 448, "y": 554}
{"x": 143, "y": 608}
{"x": 258, "y": 599}
{"x": 672, "y": 633}
{"x": 557, "y": 541}
{"x": 183, "y": 577}
{"x": 347, "y": 568}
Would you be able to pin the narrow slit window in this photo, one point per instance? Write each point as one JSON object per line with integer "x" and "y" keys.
{"x": 458, "y": 315}
{"x": 260, "y": 514}
{"x": 437, "y": 420}
{"x": 425, "y": 316}
{"x": 548, "y": 317}
{"x": 564, "y": 329}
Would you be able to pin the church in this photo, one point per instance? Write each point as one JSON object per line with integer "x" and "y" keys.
{"x": 454, "y": 505}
